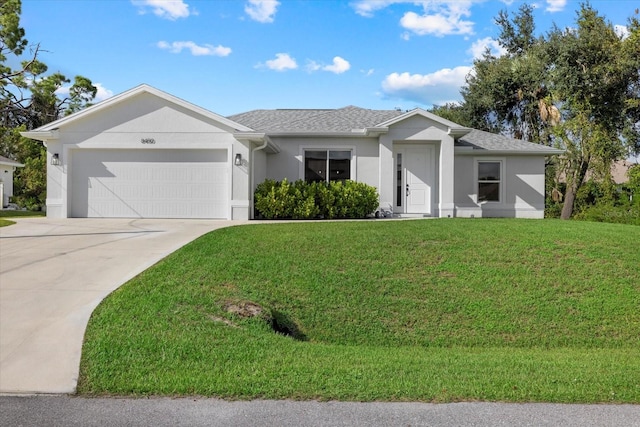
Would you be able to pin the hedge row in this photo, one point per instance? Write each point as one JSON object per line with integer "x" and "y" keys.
{"x": 309, "y": 200}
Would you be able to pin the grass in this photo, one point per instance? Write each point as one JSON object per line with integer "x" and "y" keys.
{"x": 15, "y": 214}
{"x": 435, "y": 310}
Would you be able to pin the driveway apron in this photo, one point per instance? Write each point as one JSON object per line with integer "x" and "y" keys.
{"x": 53, "y": 273}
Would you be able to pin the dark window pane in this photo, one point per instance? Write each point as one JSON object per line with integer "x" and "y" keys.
{"x": 488, "y": 192}
{"x": 488, "y": 171}
{"x": 315, "y": 166}
{"x": 339, "y": 165}
{"x": 340, "y": 155}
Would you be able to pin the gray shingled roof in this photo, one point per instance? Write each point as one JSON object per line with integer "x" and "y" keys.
{"x": 340, "y": 120}
{"x": 478, "y": 139}
{"x": 349, "y": 118}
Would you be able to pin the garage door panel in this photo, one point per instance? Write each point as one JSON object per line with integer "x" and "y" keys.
{"x": 149, "y": 183}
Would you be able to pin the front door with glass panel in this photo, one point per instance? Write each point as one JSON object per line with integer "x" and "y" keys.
{"x": 414, "y": 175}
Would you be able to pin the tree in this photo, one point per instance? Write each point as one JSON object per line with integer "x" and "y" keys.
{"x": 573, "y": 88}
{"x": 453, "y": 112}
{"x": 504, "y": 94}
{"x": 591, "y": 88}
{"x": 29, "y": 98}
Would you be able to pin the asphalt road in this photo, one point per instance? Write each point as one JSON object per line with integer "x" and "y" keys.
{"x": 52, "y": 411}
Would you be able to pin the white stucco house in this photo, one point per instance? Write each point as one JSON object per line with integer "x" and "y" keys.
{"x": 7, "y": 167}
{"x": 147, "y": 154}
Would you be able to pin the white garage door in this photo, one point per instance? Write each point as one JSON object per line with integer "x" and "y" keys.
{"x": 149, "y": 184}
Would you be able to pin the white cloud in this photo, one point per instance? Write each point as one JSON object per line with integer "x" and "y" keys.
{"x": 368, "y": 72}
{"x": 102, "y": 93}
{"x": 282, "y": 62}
{"x": 339, "y": 66}
{"x": 436, "y": 24}
{"x": 262, "y": 10}
{"x": 195, "y": 49}
{"x": 556, "y": 5}
{"x": 479, "y": 46}
{"x": 622, "y": 31}
{"x": 366, "y": 8}
{"x": 431, "y": 89}
{"x": 167, "y": 9}
{"x": 312, "y": 66}
{"x": 438, "y": 17}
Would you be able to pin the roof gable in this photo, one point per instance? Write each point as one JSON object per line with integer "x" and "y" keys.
{"x": 423, "y": 113}
{"x": 138, "y": 91}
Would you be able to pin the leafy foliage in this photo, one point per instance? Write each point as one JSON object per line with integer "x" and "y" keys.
{"x": 452, "y": 112}
{"x": 577, "y": 88}
{"x": 308, "y": 200}
{"x": 29, "y": 98}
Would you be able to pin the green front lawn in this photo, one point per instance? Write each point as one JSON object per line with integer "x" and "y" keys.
{"x": 5, "y": 222}
{"x": 14, "y": 214}
{"x": 433, "y": 310}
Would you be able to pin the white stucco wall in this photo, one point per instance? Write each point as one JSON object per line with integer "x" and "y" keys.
{"x": 6, "y": 178}
{"x": 125, "y": 126}
{"x": 522, "y": 192}
{"x": 419, "y": 129}
{"x": 289, "y": 162}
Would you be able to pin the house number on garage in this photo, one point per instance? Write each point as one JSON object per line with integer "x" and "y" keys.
{"x": 148, "y": 141}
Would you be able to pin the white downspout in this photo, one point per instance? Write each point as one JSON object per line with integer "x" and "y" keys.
{"x": 252, "y": 180}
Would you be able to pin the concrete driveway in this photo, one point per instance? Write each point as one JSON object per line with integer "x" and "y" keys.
{"x": 53, "y": 273}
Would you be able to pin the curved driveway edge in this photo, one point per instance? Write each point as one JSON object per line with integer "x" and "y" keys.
{"x": 53, "y": 273}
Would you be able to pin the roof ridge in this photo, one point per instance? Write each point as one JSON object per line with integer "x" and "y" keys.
{"x": 314, "y": 117}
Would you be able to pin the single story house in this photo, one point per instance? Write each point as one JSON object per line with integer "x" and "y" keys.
{"x": 7, "y": 167}
{"x": 147, "y": 154}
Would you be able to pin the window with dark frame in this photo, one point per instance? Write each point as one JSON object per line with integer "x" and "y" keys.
{"x": 327, "y": 165}
{"x": 489, "y": 181}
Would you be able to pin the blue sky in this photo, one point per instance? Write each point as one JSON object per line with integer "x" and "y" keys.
{"x": 231, "y": 56}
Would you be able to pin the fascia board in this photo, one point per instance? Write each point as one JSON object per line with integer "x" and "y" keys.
{"x": 38, "y": 135}
{"x": 11, "y": 163}
{"x": 469, "y": 151}
{"x": 257, "y": 137}
{"x": 373, "y": 131}
{"x": 458, "y": 132}
{"x": 358, "y": 133}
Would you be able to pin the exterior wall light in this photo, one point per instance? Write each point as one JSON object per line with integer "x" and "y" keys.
{"x": 55, "y": 159}
{"x": 238, "y": 160}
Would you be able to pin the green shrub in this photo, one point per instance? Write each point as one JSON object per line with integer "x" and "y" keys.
{"x": 353, "y": 199}
{"x": 274, "y": 199}
{"x": 307, "y": 200}
{"x": 626, "y": 214}
{"x": 304, "y": 203}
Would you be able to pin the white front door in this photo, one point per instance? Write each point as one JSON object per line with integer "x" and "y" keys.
{"x": 414, "y": 178}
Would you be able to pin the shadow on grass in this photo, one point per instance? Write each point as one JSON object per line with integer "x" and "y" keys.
{"x": 281, "y": 323}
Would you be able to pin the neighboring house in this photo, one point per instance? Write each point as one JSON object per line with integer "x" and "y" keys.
{"x": 619, "y": 171}
{"x": 7, "y": 167}
{"x": 147, "y": 154}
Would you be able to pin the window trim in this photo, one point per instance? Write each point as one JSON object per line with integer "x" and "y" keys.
{"x": 313, "y": 147}
{"x": 501, "y": 181}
